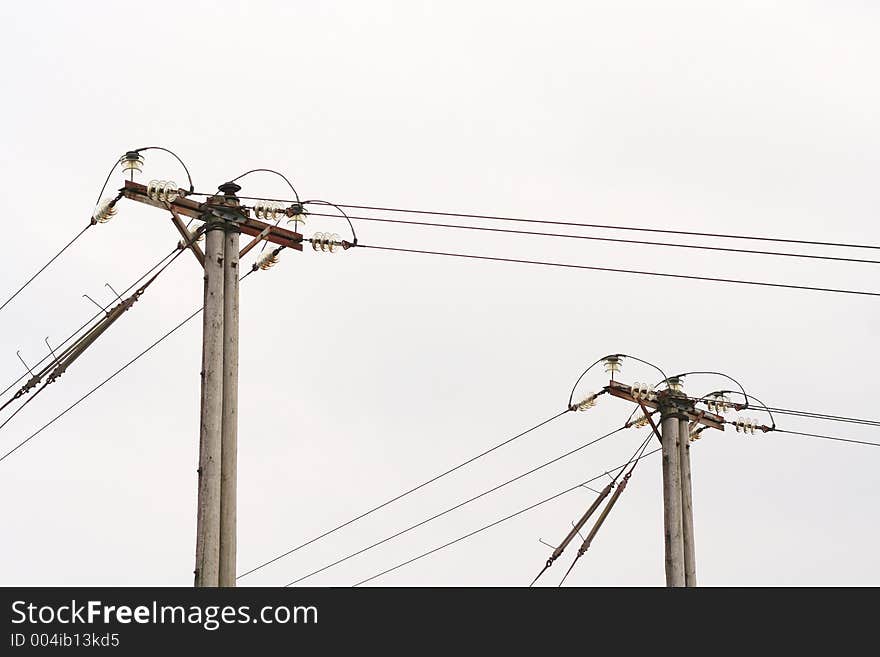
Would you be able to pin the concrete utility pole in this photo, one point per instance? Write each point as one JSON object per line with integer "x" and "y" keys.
{"x": 224, "y": 220}
{"x": 207, "y": 570}
{"x": 672, "y": 528}
{"x": 677, "y": 412}
{"x": 215, "y": 526}
{"x": 229, "y": 441}
{"x": 687, "y": 506}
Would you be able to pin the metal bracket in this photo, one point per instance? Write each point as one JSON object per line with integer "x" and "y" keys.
{"x": 187, "y": 240}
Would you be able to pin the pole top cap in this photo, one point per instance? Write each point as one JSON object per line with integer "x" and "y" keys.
{"x": 229, "y": 188}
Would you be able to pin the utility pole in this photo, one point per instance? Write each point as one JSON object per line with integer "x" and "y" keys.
{"x": 672, "y": 526}
{"x": 211, "y": 424}
{"x": 687, "y": 504}
{"x": 229, "y": 439}
{"x": 678, "y": 417}
{"x": 224, "y": 220}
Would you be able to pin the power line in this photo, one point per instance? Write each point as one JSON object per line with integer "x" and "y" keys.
{"x": 605, "y": 239}
{"x": 622, "y": 271}
{"x": 578, "y": 224}
{"x": 62, "y": 362}
{"x": 498, "y": 522}
{"x": 43, "y": 268}
{"x": 824, "y": 416}
{"x": 819, "y": 435}
{"x": 612, "y": 227}
{"x": 457, "y": 506}
{"x": 105, "y": 381}
{"x": 404, "y": 494}
{"x": 92, "y": 319}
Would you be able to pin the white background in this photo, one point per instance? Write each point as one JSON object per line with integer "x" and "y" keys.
{"x": 366, "y": 372}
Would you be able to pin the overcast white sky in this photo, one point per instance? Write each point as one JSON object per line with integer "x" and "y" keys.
{"x": 365, "y": 373}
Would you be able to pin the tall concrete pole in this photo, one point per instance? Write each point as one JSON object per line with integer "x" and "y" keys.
{"x": 229, "y": 448}
{"x": 673, "y": 540}
{"x": 210, "y": 434}
{"x": 687, "y": 505}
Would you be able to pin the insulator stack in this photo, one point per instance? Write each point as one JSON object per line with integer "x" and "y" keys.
{"x": 586, "y": 404}
{"x": 674, "y": 383}
{"x": 695, "y": 435}
{"x": 163, "y": 190}
{"x": 718, "y": 403}
{"x": 643, "y": 392}
{"x": 641, "y": 421}
{"x": 132, "y": 162}
{"x": 268, "y": 260}
{"x": 612, "y": 364}
{"x": 327, "y": 242}
{"x": 105, "y": 211}
{"x": 746, "y": 425}
{"x": 268, "y": 210}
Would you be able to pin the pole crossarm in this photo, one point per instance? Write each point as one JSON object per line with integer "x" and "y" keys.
{"x": 623, "y": 391}
{"x": 189, "y": 208}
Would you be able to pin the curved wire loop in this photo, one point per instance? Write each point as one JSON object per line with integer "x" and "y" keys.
{"x": 341, "y": 211}
{"x": 176, "y": 157}
{"x": 273, "y": 171}
{"x": 638, "y": 360}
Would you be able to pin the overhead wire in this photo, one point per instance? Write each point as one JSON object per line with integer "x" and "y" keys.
{"x": 105, "y": 381}
{"x": 61, "y": 363}
{"x": 544, "y": 263}
{"x": 91, "y": 319}
{"x": 576, "y": 527}
{"x": 457, "y": 506}
{"x": 826, "y": 437}
{"x": 405, "y": 493}
{"x": 43, "y": 268}
{"x": 824, "y": 416}
{"x": 614, "y": 227}
{"x": 495, "y": 523}
{"x": 616, "y": 240}
{"x": 577, "y": 224}
{"x": 608, "y": 507}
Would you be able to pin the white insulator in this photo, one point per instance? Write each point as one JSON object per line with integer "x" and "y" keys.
{"x": 105, "y": 211}
{"x": 588, "y": 403}
{"x": 327, "y": 242}
{"x": 746, "y": 425}
{"x": 612, "y": 364}
{"x": 268, "y": 210}
{"x": 163, "y": 190}
{"x": 643, "y": 391}
{"x": 674, "y": 383}
{"x": 298, "y": 219}
{"x": 267, "y": 260}
{"x": 132, "y": 161}
{"x": 641, "y": 422}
